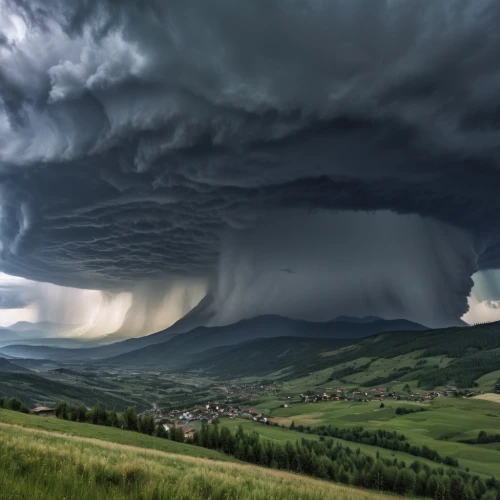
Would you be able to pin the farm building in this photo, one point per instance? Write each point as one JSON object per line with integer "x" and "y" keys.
{"x": 43, "y": 411}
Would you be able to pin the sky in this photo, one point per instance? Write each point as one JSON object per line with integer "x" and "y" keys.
{"x": 293, "y": 157}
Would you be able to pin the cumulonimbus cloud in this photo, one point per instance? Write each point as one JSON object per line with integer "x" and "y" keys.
{"x": 132, "y": 136}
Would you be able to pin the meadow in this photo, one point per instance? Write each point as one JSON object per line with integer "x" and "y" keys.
{"x": 447, "y": 421}
{"x": 39, "y": 464}
{"x": 108, "y": 434}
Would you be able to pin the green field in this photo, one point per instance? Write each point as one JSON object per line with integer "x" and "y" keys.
{"x": 107, "y": 434}
{"x": 42, "y": 464}
{"x": 447, "y": 421}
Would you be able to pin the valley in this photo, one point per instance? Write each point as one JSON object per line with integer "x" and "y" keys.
{"x": 435, "y": 389}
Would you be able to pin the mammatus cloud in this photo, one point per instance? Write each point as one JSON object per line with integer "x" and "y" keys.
{"x": 134, "y": 139}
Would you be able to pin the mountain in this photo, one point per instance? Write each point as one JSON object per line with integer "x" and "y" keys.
{"x": 457, "y": 356}
{"x": 41, "y": 332}
{"x": 7, "y": 366}
{"x": 355, "y": 319}
{"x": 171, "y": 353}
{"x": 259, "y": 327}
{"x": 259, "y": 357}
{"x": 47, "y": 327}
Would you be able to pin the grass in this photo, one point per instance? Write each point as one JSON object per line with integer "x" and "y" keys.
{"x": 107, "y": 434}
{"x": 38, "y": 465}
{"x": 447, "y": 421}
{"x": 279, "y": 434}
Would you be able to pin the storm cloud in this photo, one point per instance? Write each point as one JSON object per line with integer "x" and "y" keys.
{"x": 144, "y": 141}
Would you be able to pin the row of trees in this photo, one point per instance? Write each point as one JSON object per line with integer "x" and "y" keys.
{"x": 13, "y": 404}
{"x": 401, "y": 410}
{"x": 327, "y": 459}
{"x": 483, "y": 438}
{"x": 128, "y": 420}
{"x": 381, "y": 438}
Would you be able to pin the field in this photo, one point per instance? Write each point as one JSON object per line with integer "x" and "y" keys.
{"x": 446, "y": 422}
{"x": 495, "y": 398}
{"x": 106, "y": 434}
{"x": 40, "y": 464}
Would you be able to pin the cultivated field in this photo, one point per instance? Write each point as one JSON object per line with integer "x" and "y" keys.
{"x": 489, "y": 396}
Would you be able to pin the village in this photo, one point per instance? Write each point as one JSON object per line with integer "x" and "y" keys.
{"x": 212, "y": 412}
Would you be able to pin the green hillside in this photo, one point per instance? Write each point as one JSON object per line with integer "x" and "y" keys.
{"x": 35, "y": 389}
{"x": 462, "y": 357}
{"x": 260, "y": 357}
{"x": 45, "y": 465}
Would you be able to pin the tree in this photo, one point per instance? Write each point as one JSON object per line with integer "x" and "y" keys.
{"x": 376, "y": 476}
{"x": 79, "y": 414}
{"x": 160, "y": 431}
{"x": 62, "y": 410}
{"x": 130, "y": 419}
{"x": 440, "y": 492}
{"x": 13, "y": 404}
{"x": 479, "y": 487}
{"x": 405, "y": 481}
{"x": 97, "y": 415}
{"x": 457, "y": 488}
{"x": 146, "y": 424}
{"x": 382, "y": 405}
{"x": 112, "y": 418}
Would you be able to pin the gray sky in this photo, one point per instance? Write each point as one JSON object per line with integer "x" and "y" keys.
{"x": 146, "y": 147}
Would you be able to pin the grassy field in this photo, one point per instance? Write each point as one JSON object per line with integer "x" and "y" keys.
{"x": 39, "y": 464}
{"x": 446, "y": 422}
{"x": 107, "y": 434}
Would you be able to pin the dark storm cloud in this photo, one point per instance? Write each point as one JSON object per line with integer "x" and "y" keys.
{"x": 9, "y": 300}
{"x": 134, "y": 134}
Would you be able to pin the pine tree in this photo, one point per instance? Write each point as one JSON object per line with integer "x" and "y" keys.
{"x": 376, "y": 476}
{"x": 440, "y": 492}
{"x": 130, "y": 420}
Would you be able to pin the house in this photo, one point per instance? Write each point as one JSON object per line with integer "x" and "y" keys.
{"x": 188, "y": 430}
{"x": 166, "y": 427}
{"x": 382, "y": 389}
{"x": 43, "y": 411}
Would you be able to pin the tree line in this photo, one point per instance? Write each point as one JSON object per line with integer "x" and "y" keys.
{"x": 381, "y": 438}
{"x": 324, "y": 459}
{"x": 329, "y": 460}
{"x": 483, "y": 438}
{"x": 401, "y": 410}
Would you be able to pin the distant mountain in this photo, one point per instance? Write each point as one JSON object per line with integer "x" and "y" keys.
{"x": 170, "y": 354}
{"x": 260, "y": 327}
{"x": 259, "y": 357}
{"x": 7, "y": 366}
{"x": 48, "y": 327}
{"x": 24, "y": 331}
{"x": 355, "y": 319}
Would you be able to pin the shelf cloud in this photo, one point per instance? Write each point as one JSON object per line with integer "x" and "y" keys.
{"x": 154, "y": 142}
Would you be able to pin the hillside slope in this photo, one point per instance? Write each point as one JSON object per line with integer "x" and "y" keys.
{"x": 7, "y": 366}
{"x": 172, "y": 354}
{"x": 457, "y": 356}
{"x": 60, "y": 466}
{"x": 260, "y": 356}
{"x": 210, "y": 337}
